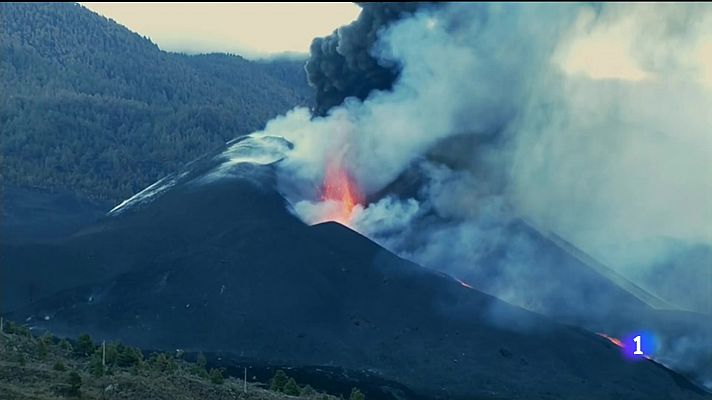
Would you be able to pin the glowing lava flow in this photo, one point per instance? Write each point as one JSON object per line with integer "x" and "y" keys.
{"x": 631, "y": 349}
{"x": 611, "y": 339}
{"x": 340, "y": 188}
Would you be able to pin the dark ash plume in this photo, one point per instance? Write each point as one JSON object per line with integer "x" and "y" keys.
{"x": 341, "y": 64}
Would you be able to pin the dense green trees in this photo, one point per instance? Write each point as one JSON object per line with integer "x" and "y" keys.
{"x": 90, "y": 106}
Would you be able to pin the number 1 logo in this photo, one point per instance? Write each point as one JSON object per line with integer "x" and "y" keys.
{"x": 637, "y": 341}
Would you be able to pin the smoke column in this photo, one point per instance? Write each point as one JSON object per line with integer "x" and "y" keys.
{"x": 589, "y": 121}
{"x": 341, "y": 65}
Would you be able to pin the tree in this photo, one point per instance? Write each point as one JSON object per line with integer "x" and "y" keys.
{"x": 216, "y": 376}
{"x": 112, "y": 353}
{"x": 59, "y": 366}
{"x": 163, "y": 362}
{"x": 108, "y": 127}
{"x": 128, "y": 356}
{"x": 278, "y": 381}
{"x": 356, "y": 395}
{"x": 65, "y": 345}
{"x": 42, "y": 349}
{"x": 47, "y": 338}
{"x": 9, "y": 327}
{"x": 291, "y": 388}
{"x": 84, "y": 345}
{"x": 201, "y": 360}
{"x": 199, "y": 371}
{"x": 96, "y": 368}
{"x": 75, "y": 383}
{"x": 17, "y": 329}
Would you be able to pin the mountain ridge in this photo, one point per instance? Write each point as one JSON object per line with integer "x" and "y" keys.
{"x": 93, "y": 107}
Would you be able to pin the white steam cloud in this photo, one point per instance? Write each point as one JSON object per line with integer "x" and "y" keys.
{"x": 592, "y": 122}
{"x": 596, "y": 118}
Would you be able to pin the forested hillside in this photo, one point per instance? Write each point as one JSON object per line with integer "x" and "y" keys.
{"x": 90, "y": 106}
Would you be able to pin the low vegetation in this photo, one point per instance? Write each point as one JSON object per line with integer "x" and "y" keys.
{"x": 46, "y": 367}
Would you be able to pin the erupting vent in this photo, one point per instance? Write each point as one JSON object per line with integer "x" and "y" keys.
{"x": 340, "y": 187}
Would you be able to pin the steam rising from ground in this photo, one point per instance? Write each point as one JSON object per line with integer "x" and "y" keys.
{"x": 592, "y": 122}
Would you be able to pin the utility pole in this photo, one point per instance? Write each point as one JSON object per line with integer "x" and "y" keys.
{"x": 103, "y": 354}
{"x": 245, "y": 381}
{"x": 2, "y": 330}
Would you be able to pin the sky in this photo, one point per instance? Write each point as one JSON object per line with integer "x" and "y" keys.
{"x": 250, "y": 29}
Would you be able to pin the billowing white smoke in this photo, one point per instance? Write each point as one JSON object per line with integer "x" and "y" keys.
{"x": 599, "y": 115}
{"x": 462, "y": 72}
{"x": 590, "y": 121}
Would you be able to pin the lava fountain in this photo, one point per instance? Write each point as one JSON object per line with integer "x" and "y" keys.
{"x": 341, "y": 191}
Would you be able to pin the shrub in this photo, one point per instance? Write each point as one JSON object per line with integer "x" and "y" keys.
{"x": 20, "y": 359}
{"x": 307, "y": 391}
{"x": 356, "y": 395}
{"x": 59, "y": 366}
{"x": 17, "y": 329}
{"x": 47, "y": 338}
{"x": 216, "y": 376}
{"x": 291, "y": 388}
{"x": 75, "y": 383}
{"x": 199, "y": 371}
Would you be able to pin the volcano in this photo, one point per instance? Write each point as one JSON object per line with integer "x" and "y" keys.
{"x": 210, "y": 259}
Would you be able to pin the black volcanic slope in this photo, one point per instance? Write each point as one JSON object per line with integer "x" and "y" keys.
{"x": 32, "y": 214}
{"x": 222, "y": 266}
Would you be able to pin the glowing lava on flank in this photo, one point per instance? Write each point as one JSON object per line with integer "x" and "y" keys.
{"x": 340, "y": 188}
{"x": 611, "y": 339}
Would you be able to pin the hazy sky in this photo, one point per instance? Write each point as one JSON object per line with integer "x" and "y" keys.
{"x": 250, "y": 29}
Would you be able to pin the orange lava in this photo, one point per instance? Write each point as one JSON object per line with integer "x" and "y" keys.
{"x": 611, "y": 339}
{"x": 340, "y": 187}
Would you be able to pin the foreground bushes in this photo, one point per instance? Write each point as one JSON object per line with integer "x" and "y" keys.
{"x": 75, "y": 364}
{"x": 283, "y": 383}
